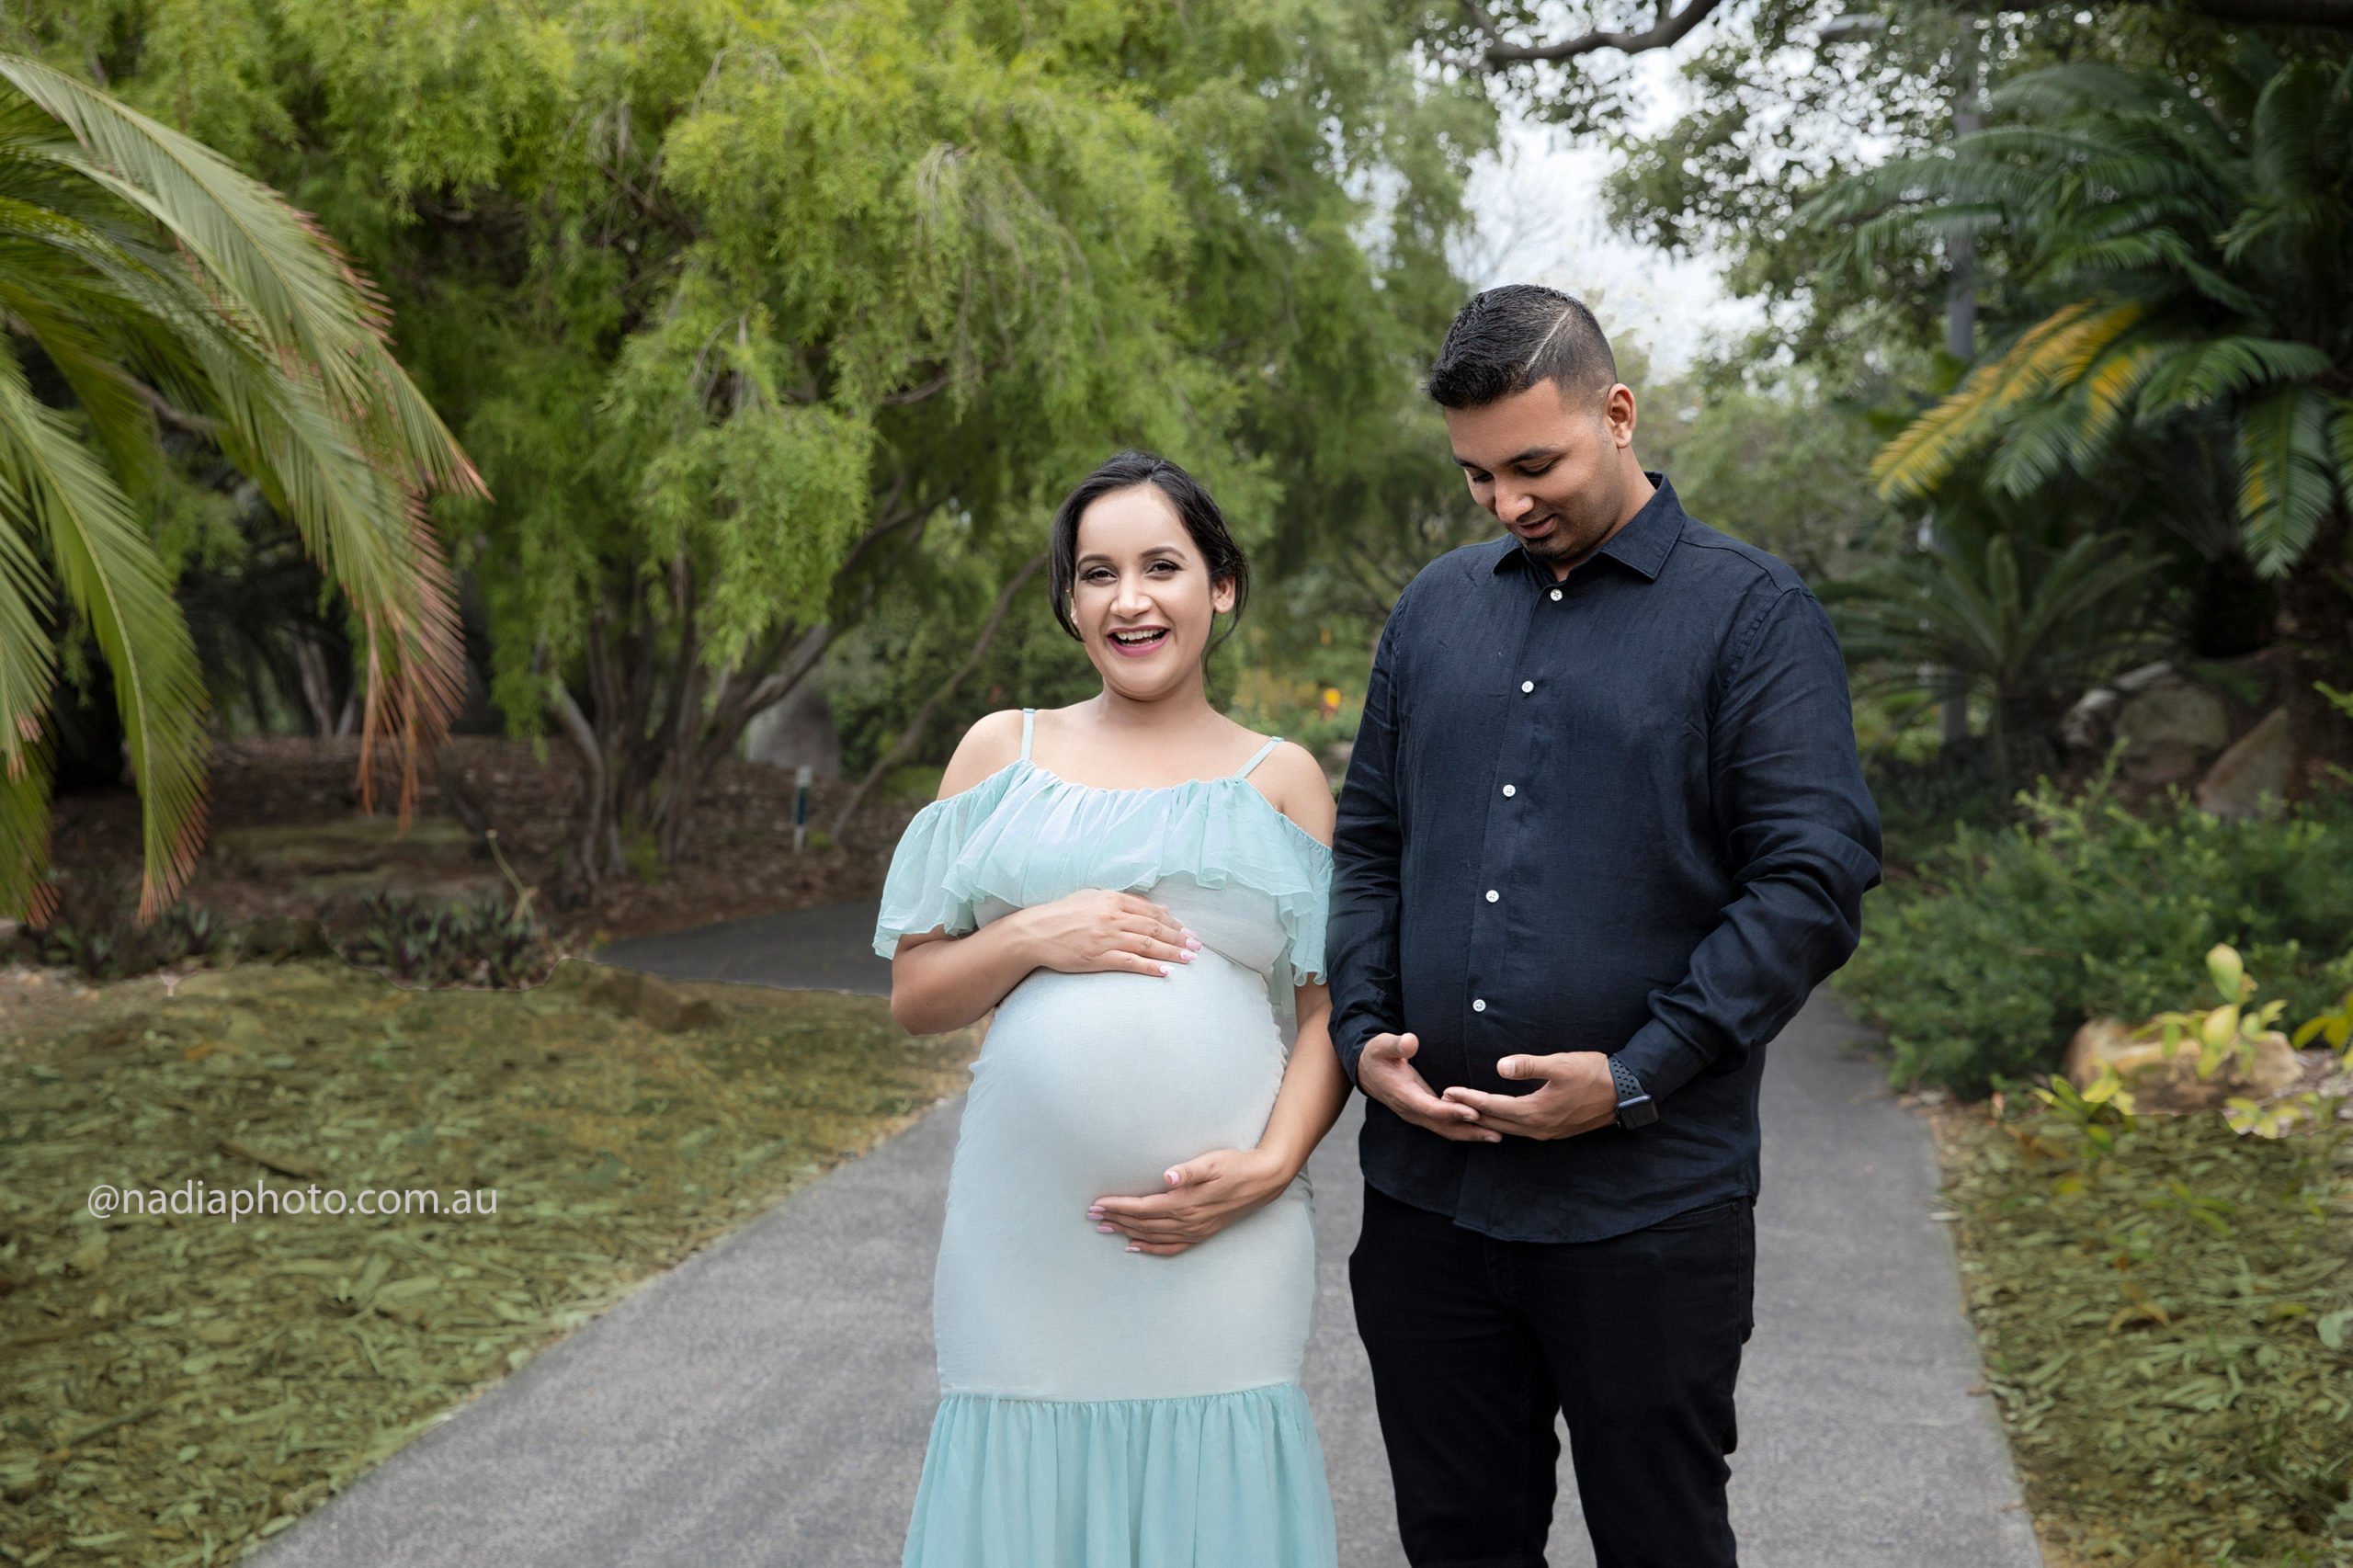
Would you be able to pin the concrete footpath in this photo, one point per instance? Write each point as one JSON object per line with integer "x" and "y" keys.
{"x": 766, "y": 1403}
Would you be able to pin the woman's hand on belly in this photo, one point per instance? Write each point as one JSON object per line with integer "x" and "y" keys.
{"x": 1205, "y": 1195}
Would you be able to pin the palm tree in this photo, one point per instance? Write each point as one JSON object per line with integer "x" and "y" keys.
{"x": 162, "y": 287}
{"x": 2184, "y": 256}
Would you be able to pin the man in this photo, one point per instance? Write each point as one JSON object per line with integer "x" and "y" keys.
{"x": 1603, "y": 831}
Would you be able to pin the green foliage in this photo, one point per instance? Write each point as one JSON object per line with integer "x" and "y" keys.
{"x": 1789, "y": 97}
{"x": 150, "y": 282}
{"x": 98, "y": 934}
{"x": 2163, "y": 1313}
{"x": 1785, "y": 466}
{"x": 481, "y": 943}
{"x": 2013, "y": 618}
{"x": 1982, "y": 970}
{"x": 2183, "y": 257}
{"x": 760, "y": 314}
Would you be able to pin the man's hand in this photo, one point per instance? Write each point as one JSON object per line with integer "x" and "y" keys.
{"x": 1577, "y": 1097}
{"x": 1386, "y": 1072}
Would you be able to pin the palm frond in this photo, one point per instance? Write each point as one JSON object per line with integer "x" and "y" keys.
{"x": 2286, "y": 480}
{"x": 291, "y": 340}
{"x": 2222, "y": 368}
{"x": 113, "y": 576}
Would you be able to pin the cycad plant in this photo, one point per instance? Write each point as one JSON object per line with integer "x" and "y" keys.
{"x": 2014, "y": 617}
{"x": 2184, "y": 256}
{"x": 158, "y": 286}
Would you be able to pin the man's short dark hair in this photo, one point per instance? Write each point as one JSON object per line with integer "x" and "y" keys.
{"x": 1508, "y": 339}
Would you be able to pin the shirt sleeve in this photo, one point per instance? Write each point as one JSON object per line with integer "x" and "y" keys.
{"x": 1802, "y": 834}
{"x": 1367, "y": 845}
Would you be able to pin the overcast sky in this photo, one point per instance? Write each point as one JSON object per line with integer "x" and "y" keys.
{"x": 1540, "y": 221}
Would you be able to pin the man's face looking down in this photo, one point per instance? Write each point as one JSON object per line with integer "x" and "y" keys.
{"x": 1556, "y": 467}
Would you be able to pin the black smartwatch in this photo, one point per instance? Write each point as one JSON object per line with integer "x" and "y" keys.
{"x": 1635, "y": 1108}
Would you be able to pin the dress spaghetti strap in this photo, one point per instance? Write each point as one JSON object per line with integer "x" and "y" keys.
{"x": 1028, "y": 725}
{"x": 1258, "y": 756}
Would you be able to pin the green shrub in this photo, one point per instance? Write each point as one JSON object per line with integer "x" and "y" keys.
{"x": 1983, "y": 969}
{"x": 483, "y": 942}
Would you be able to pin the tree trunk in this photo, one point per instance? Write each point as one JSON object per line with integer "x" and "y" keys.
{"x": 2317, "y": 623}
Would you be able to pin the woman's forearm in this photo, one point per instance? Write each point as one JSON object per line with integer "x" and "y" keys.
{"x": 940, "y": 984}
{"x": 1314, "y": 1090}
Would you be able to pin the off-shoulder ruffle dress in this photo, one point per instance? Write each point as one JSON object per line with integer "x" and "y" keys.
{"x": 1101, "y": 1408}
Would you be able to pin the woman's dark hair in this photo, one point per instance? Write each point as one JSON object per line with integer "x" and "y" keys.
{"x": 1195, "y": 509}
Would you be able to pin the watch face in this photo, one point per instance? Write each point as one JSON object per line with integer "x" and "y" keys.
{"x": 1638, "y": 1112}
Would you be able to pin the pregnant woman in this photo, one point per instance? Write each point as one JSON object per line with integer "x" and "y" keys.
{"x": 1136, "y": 884}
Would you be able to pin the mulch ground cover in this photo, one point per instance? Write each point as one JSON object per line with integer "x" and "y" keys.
{"x": 2169, "y": 1329}
{"x": 182, "y": 1385}
{"x": 739, "y": 861}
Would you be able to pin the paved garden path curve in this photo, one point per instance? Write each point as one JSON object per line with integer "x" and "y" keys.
{"x": 765, "y": 1404}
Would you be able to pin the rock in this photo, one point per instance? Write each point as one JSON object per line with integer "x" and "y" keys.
{"x": 648, "y": 998}
{"x": 2167, "y": 728}
{"x": 2252, "y": 777}
{"x": 2169, "y": 1088}
{"x": 2090, "y": 724}
{"x": 2168, "y": 724}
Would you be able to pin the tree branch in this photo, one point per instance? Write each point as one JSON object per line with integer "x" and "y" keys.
{"x": 2335, "y": 14}
{"x": 913, "y": 734}
{"x": 1665, "y": 33}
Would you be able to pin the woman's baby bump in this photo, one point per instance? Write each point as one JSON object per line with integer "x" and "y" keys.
{"x": 1112, "y": 1078}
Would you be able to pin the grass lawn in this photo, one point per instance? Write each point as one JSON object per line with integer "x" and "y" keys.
{"x": 2169, "y": 1331}
{"x": 182, "y": 1386}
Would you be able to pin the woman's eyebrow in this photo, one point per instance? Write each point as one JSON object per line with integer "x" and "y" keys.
{"x": 1097, "y": 558}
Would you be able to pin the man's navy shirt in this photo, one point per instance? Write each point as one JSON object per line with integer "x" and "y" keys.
{"x": 1620, "y": 812}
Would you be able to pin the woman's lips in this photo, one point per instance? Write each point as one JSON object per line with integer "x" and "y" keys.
{"x": 1158, "y": 636}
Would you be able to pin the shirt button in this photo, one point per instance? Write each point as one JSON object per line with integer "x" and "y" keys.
{"x": 1556, "y": 593}
{"x": 1510, "y": 790}
{"x": 1493, "y": 895}
{"x": 1478, "y": 1004}
{"x": 1527, "y": 686}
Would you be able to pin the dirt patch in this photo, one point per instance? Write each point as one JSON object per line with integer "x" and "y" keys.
{"x": 286, "y": 835}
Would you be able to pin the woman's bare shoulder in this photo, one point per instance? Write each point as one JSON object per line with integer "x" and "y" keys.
{"x": 990, "y": 746}
{"x": 1294, "y": 781}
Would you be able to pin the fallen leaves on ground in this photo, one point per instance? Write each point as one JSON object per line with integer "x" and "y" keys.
{"x": 2169, "y": 1332}
{"x": 183, "y": 1386}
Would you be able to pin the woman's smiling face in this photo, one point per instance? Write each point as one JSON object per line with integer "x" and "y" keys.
{"x": 1141, "y": 593}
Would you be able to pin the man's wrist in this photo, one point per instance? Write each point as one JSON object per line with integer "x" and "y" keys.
{"x": 1636, "y": 1106}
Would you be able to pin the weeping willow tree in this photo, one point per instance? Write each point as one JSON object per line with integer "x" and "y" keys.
{"x": 760, "y": 313}
{"x": 160, "y": 287}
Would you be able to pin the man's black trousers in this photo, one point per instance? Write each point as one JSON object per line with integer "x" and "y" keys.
{"x": 1476, "y": 1343}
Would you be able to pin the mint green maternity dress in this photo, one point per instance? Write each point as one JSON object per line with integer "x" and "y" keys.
{"x": 1101, "y": 1408}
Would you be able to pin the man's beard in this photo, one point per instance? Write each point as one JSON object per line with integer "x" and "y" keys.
{"x": 1572, "y": 540}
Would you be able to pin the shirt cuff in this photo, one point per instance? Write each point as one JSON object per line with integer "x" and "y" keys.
{"x": 1661, "y": 1059}
{"x": 1351, "y": 1053}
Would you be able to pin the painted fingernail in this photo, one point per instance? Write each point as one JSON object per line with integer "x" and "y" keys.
{"x": 1096, "y": 1213}
{"x": 1192, "y": 941}
{"x": 1184, "y": 957}
{"x": 1171, "y": 1176}
{"x": 1168, "y": 969}
{"x": 1132, "y": 1247}
{"x": 1106, "y": 1230}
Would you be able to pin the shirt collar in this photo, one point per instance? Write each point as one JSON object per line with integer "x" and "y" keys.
{"x": 1641, "y": 545}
